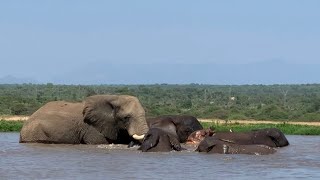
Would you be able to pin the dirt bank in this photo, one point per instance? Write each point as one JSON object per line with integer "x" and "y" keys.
{"x": 14, "y": 118}
{"x": 259, "y": 122}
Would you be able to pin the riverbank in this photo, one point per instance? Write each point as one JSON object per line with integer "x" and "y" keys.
{"x": 14, "y": 118}
{"x": 219, "y": 121}
{"x": 219, "y": 125}
{"x": 288, "y": 129}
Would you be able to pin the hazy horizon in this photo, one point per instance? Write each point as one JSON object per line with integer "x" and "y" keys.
{"x": 105, "y": 42}
{"x": 165, "y": 73}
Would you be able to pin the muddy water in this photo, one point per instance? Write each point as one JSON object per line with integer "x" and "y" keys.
{"x": 38, "y": 161}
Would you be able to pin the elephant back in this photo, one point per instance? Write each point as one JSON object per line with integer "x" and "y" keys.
{"x": 55, "y": 122}
{"x": 57, "y": 110}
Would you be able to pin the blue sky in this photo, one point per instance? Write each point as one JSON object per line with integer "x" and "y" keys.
{"x": 47, "y": 40}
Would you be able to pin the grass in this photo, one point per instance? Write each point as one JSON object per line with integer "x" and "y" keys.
{"x": 10, "y": 126}
{"x": 289, "y": 129}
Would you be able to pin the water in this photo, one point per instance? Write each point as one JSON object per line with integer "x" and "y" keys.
{"x": 42, "y": 161}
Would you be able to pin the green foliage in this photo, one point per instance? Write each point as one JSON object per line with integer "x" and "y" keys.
{"x": 220, "y": 114}
{"x": 260, "y": 102}
{"x": 10, "y": 126}
{"x": 238, "y": 116}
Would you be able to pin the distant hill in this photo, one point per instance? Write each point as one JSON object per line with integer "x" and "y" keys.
{"x": 14, "y": 80}
{"x": 270, "y": 72}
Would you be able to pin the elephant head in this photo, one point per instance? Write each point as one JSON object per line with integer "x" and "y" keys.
{"x": 179, "y": 125}
{"x": 273, "y": 136}
{"x": 112, "y": 114}
{"x": 165, "y": 124}
{"x": 157, "y": 140}
{"x": 207, "y": 144}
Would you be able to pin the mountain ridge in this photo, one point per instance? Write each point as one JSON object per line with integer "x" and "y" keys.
{"x": 272, "y": 72}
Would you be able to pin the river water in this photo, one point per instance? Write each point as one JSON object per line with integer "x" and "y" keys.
{"x": 48, "y": 161}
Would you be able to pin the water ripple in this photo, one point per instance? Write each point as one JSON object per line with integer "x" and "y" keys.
{"x": 50, "y": 161}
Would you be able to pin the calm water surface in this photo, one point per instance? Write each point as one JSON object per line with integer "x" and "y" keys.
{"x": 42, "y": 161}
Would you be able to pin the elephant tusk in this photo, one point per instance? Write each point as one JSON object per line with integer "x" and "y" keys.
{"x": 226, "y": 140}
{"x": 137, "y": 137}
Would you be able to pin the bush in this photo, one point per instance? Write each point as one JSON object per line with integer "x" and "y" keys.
{"x": 10, "y": 126}
{"x": 221, "y": 114}
{"x": 237, "y": 117}
{"x": 311, "y": 117}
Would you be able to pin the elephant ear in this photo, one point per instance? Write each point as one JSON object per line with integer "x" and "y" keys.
{"x": 277, "y": 137}
{"x": 99, "y": 113}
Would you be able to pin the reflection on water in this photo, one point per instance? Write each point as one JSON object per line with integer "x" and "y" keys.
{"x": 49, "y": 161}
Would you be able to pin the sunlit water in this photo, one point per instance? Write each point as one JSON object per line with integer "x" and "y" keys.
{"x": 42, "y": 161}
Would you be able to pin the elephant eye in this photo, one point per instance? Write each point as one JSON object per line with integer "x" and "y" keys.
{"x": 127, "y": 117}
{"x": 147, "y": 136}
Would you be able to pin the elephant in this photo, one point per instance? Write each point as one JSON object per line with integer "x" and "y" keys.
{"x": 272, "y": 137}
{"x": 99, "y": 119}
{"x": 212, "y": 144}
{"x": 178, "y": 125}
{"x": 158, "y": 140}
{"x": 197, "y": 136}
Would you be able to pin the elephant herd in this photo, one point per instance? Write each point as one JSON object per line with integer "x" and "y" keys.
{"x": 120, "y": 119}
{"x": 167, "y": 133}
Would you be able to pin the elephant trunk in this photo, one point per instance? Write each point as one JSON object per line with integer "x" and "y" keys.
{"x": 138, "y": 128}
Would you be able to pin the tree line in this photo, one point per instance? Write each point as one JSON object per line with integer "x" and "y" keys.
{"x": 260, "y": 102}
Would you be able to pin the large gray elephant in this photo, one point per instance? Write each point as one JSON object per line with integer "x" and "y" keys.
{"x": 99, "y": 119}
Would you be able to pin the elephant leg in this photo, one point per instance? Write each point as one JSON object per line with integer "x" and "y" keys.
{"x": 33, "y": 132}
{"x": 175, "y": 143}
{"x": 92, "y": 136}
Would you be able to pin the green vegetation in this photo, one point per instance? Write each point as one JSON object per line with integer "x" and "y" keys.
{"x": 289, "y": 129}
{"x": 259, "y": 102}
{"x": 10, "y": 126}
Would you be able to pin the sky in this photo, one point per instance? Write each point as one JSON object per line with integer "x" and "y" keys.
{"x": 57, "y": 41}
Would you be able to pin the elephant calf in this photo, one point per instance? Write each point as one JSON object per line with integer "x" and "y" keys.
{"x": 214, "y": 145}
{"x": 179, "y": 125}
{"x": 272, "y": 137}
{"x": 158, "y": 140}
{"x": 100, "y": 119}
